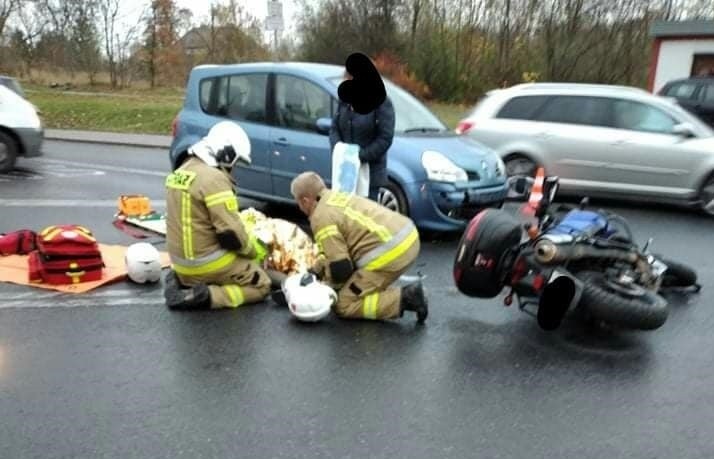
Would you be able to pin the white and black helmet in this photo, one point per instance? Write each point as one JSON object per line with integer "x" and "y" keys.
{"x": 224, "y": 145}
{"x": 308, "y": 299}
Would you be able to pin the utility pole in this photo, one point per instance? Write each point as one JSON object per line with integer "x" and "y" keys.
{"x": 274, "y": 20}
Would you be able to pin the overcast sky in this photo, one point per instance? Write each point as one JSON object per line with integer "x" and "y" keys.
{"x": 132, "y": 9}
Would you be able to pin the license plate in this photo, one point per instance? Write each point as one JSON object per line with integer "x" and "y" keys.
{"x": 488, "y": 197}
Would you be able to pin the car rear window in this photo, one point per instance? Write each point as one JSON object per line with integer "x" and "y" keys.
{"x": 239, "y": 97}
{"x": 205, "y": 90}
{"x": 583, "y": 110}
{"x": 522, "y": 107}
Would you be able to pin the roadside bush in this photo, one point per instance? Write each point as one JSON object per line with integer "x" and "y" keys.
{"x": 391, "y": 67}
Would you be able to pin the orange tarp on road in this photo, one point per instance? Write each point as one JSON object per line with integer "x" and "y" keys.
{"x": 14, "y": 269}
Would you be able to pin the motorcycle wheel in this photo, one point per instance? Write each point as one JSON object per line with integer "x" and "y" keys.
{"x": 677, "y": 274}
{"x": 644, "y": 310}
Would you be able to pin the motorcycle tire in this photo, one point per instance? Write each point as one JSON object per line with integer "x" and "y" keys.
{"x": 647, "y": 311}
{"x": 677, "y": 274}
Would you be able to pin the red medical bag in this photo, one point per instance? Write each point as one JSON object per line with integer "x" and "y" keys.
{"x": 66, "y": 254}
{"x": 20, "y": 242}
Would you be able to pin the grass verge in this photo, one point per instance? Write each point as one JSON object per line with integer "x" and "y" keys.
{"x": 139, "y": 112}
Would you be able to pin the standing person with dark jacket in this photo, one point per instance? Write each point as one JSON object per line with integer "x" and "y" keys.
{"x": 365, "y": 117}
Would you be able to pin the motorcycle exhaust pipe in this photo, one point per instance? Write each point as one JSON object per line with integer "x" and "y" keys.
{"x": 548, "y": 252}
{"x": 560, "y": 294}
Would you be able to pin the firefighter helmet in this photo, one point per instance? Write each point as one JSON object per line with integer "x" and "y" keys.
{"x": 224, "y": 145}
{"x": 143, "y": 263}
{"x": 308, "y": 299}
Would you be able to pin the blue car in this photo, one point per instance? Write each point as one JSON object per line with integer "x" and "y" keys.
{"x": 438, "y": 178}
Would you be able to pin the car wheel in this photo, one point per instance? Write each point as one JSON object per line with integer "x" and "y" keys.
{"x": 520, "y": 165}
{"x": 8, "y": 152}
{"x": 392, "y": 197}
{"x": 706, "y": 196}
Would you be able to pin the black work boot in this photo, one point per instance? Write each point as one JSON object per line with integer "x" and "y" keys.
{"x": 413, "y": 299}
{"x": 179, "y": 297}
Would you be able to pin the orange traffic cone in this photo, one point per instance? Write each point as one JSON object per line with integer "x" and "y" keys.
{"x": 536, "y": 194}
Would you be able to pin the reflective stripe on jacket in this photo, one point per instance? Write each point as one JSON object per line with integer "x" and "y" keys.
{"x": 201, "y": 203}
{"x": 355, "y": 228}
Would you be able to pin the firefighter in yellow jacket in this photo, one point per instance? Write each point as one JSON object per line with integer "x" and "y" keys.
{"x": 364, "y": 248}
{"x": 212, "y": 255}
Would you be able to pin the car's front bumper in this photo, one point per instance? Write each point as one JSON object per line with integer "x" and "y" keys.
{"x": 31, "y": 140}
{"x": 446, "y": 207}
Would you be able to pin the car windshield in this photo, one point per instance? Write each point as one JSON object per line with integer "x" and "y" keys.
{"x": 410, "y": 114}
{"x": 12, "y": 84}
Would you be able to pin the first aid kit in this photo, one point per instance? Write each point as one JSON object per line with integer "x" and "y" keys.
{"x": 134, "y": 205}
{"x": 20, "y": 242}
{"x": 66, "y": 254}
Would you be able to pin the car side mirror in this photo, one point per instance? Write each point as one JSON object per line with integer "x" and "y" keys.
{"x": 323, "y": 125}
{"x": 684, "y": 130}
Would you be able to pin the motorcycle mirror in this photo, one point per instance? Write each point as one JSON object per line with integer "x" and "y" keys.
{"x": 519, "y": 186}
{"x": 553, "y": 184}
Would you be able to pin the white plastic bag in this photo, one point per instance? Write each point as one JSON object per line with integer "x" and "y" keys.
{"x": 363, "y": 180}
{"x": 349, "y": 175}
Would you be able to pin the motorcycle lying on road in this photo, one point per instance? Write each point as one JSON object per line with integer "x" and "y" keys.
{"x": 566, "y": 259}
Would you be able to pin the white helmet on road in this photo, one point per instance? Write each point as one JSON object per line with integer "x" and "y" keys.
{"x": 309, "y": 300}
{"x": 224, "y": 145}
{"x": 143, "y": 263}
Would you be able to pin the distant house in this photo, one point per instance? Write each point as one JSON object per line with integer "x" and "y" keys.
{"x": 220, "y": 44}
{"x": 680, "y": 49}
{"x": 197, "y": 40}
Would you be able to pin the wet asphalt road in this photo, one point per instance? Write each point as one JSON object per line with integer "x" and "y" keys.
{"x": 114, "y": 374}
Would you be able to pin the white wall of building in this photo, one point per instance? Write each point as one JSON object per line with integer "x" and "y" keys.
{"x": 676, "y": 58}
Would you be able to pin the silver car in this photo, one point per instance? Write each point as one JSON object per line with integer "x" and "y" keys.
{"x": 600, "y": 140}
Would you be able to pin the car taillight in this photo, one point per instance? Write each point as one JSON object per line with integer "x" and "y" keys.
{"x": 464, "y": 126}
{"x": 174, "y": 127}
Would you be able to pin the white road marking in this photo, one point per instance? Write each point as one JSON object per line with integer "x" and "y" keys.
{"x": 81, "y": 302}
{"x": 69, "y": 202}
{"x": 53, "y": 299}
{"x": 44, "y": 295}
{"x": 127, "y": 170}
{"x": 43, "y": 171}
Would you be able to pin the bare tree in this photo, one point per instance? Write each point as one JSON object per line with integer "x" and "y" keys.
{"x": 7, "y": 7}
{"x": 108, "y": 13}
{"x": 30, "y": 26}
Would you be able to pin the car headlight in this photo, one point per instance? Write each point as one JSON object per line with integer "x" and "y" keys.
{"x": 439, "y": 168}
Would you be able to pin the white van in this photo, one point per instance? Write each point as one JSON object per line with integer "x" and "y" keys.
{"x": 21, "y": 132}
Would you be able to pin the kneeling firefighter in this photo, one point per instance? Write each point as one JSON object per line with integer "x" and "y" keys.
{"x": 215, "y": 261}
{"x": 364, "y": 248}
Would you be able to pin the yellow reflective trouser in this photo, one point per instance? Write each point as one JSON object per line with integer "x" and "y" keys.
{"x": 369, "y": 295}
{"x": 240, "y": 282}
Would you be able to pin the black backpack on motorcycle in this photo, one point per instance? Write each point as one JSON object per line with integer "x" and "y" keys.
{"x": 481, "y": 265}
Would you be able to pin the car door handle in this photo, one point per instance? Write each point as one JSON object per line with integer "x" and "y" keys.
{"x": 620, "y": 142}
{"x": 302, "y": 158}
{"x": 544, "y": 135}
{"x": 282, "y": 141}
